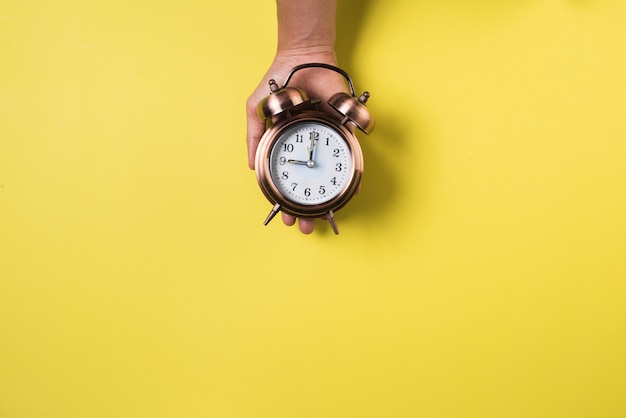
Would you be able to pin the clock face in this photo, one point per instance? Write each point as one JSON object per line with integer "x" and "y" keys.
{"x": 311, "y": 163}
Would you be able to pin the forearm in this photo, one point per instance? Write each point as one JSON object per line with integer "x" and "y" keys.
{"x": 306, "y": 25}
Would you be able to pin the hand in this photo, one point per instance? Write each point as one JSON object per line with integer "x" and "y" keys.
{"x": 314, "y": 137}
{"x": 308, "y": 163}
{"x": 318, "y": 83}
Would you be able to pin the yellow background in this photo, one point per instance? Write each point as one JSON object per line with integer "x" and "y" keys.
{"x": 479, "y": 273}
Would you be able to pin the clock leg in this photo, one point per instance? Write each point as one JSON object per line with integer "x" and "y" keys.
{"x": 331, "y": 218}
{"x": 273, "y": 213}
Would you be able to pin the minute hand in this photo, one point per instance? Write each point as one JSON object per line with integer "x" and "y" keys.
{"x": 314, "y": 136}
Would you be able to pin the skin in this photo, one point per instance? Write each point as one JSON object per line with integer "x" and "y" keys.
{"x": 306, "y": 33}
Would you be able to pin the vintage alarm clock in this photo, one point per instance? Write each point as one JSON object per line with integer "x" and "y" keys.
{"x": 309, "y": 163}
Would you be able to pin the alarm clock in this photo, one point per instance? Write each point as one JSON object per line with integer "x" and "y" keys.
{"x": 309, "y": 162}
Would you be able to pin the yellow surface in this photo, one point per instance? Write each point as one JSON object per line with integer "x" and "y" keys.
{"x": 481, "y": 271}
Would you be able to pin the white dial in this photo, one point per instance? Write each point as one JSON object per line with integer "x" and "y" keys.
{"x": 311, "y": 163}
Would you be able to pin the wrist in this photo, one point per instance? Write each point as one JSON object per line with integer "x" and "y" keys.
{"x": 306, "y": 25}
{"x": 301, "y": 55}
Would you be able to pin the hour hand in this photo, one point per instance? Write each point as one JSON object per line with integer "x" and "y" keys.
{"x": 301, "y": 162}
{"x": 309, "y": 163}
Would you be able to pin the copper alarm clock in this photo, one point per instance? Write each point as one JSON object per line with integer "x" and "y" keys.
{"x": 309, "y": 163}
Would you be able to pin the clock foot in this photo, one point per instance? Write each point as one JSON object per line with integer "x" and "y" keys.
{"x": 331, "y": 218}
{"x": 273, "y": 213}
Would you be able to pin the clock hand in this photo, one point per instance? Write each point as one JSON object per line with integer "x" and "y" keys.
{"x": 310, "y": 148}
{"x": 314, "y": 137}
{"x": 301, "y": 162}
{"x": 309, "y": 163}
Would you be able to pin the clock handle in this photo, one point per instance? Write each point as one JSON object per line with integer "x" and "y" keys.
{"x": 320, "y": 65}
{"x": 284, "y": 98}
{"x": 350, "y": 107}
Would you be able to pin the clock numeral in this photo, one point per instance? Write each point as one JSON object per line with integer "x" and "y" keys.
{"x": 315, "y": 135}
{"x": 293, "y": 186}
{"x": 283, "y": 161}
{"x": 322, "y": 190}
{"x": 307, "y": 191}
{"x": 336, "y": 152}
{"x": 333, "y": 181}
{"x": 285, "y": 175}
{"x": 327, "y": 139}
{"x": 299, "y": 138}
{"x": 288, "y": 147}
{"x": 338, "y": 167}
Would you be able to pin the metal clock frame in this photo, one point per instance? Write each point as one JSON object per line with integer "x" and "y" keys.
{"x": 286, "y": 106}
{"x": 282, "y": 202}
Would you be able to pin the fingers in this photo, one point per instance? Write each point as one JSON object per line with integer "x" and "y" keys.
{"x": 288, "y": 219}
{"x": 306, "y": 225}
{"x": 255, "y": 129}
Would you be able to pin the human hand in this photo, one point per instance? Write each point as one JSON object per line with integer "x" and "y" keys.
{"x": 318, "y": 83}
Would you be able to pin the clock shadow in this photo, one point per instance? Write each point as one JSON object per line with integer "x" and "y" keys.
{"x": 379, "y": 187}
{"x": 384, "y": 155}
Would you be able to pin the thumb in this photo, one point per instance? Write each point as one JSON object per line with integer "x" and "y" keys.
{"x": 255, "y": 129}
